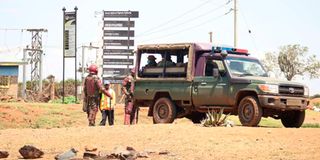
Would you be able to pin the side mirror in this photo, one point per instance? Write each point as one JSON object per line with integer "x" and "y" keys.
{"x": 216, "y": 73}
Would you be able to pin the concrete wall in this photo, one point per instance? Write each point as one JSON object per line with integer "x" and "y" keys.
{"x": 13, "y": 87}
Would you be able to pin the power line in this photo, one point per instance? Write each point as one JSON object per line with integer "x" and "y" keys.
{"x": 188, "y": 20}
{"x": 189, "y": 28}
{"x": 12, "y": 29}
{"x": 249, "y": 30}
{"x": 177, "y": 17}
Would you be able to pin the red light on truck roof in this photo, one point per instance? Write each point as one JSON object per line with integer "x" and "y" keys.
{"x": 241, "y": 50}
{"x": 229, "y": 50}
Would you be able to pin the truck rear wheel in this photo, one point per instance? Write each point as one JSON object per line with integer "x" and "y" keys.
{"x": 293, "y": 119}
{"x": 249, "y": 111}
{"x": 164, "y": 111}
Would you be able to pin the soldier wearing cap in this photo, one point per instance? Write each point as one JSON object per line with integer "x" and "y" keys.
{"x": 151, "y": 61}
{"x": 107, "y": 105}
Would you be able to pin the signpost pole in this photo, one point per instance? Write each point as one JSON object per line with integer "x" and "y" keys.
{"x": 63, "y": 51}
{"x": 75, "y": 58}
{"x": 128, "y": 71}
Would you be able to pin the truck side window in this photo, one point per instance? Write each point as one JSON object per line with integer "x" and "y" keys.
{"x": 211, "y": 64}
{"x": 163, "y": 63}
{"x": 209, "y": 68}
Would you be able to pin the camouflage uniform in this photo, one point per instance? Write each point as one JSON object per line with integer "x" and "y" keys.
{"x": 130, "y": 116}
{"x": 168, "y": 63}
{"x": 92, "y": 88}
{"x": 151, "y": 63}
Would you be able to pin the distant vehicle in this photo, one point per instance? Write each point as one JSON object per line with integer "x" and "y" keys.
{"x": 202, "y": 78}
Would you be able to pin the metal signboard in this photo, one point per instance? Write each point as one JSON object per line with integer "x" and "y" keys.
{"x": 114, "y": 80}
{"x": 118, "y": 23}
{"x": 122, "y": 52}
{"x": 118, "y": 42}
{"x": 70, "y": 34}
{"x": 114, "y": 71}
{"x": 116, "y": 61}
{"x": 121, "y": 14}
{"x": 118, "y": 33}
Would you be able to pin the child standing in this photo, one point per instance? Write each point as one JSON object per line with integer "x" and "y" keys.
{"x": 107, "y": 105}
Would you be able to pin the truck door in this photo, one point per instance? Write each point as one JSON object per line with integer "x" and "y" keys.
{"x": 209, "y": 90}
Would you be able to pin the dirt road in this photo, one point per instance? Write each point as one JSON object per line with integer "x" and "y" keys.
{"x": 182, "y": 139}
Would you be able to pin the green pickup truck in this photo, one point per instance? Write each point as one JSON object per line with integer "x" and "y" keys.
{"x": 194, "y": 78}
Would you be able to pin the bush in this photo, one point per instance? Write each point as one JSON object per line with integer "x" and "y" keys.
{"x": 316, "y": 96}
{"x": 214, "y": 118}
{"x": 67, "y": 100}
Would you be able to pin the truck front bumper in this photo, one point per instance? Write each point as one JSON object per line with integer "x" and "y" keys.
{"x": 283, "y": 102}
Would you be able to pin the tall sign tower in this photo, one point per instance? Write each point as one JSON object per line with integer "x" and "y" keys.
{"x": 117, "y": 46}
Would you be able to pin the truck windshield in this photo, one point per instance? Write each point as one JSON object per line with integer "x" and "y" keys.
{"x": 241, "y": 67}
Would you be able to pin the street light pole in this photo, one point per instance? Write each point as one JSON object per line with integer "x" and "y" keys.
{"x": 83, "y": 58}
{"x": 235, "y": 23}
{"x": 82, "y": 72}
{"x": 24, "y": 96}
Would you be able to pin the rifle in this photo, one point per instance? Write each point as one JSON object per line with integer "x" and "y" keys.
{"x": 122, "y": 98}
{"x": 85, "y": 105}
{"x": 137, "y": 114}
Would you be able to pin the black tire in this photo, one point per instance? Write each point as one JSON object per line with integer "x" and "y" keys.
{"x": 196, "y": 117}
{"x": 293, "y": 119}
{"x": 164, "y": 111}
{"x": 249, "y": 111}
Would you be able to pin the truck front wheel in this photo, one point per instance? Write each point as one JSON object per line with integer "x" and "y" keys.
{"x": 164, "y": 111}
{"x": 249, "y": 111}
{"x": 293, "y": 119}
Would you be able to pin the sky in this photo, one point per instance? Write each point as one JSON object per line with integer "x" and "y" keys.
{"x": 272, "y": 23}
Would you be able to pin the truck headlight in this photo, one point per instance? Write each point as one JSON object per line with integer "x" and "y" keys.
{"x": 306, "y": 91}
{"x": 269, "y": 88}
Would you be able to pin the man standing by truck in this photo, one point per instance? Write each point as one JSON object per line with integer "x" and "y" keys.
{"x": 92, "y": 87}
{"x": 130, "y": 116}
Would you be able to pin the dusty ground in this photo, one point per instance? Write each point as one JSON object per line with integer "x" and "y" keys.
{"x": 182, "y": 139}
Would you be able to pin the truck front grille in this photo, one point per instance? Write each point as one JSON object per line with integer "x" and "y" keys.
{"x": 291, "y": 90}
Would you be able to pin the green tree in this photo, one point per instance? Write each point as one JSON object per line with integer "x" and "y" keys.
{"x": 293, "y": 60}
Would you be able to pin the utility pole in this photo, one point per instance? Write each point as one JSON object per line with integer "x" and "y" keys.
{"x": 24, "y": 80}
{"x": 36, "y": 58}
{"x": 210, "y": 33}
{"x": 235, "y": 23}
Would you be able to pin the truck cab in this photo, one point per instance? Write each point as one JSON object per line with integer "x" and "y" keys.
{"x": 195, "y": 78}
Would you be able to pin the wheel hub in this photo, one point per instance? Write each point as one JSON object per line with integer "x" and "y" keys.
{"x": 247, "y": 112}
{"x": 163, "y": 111}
